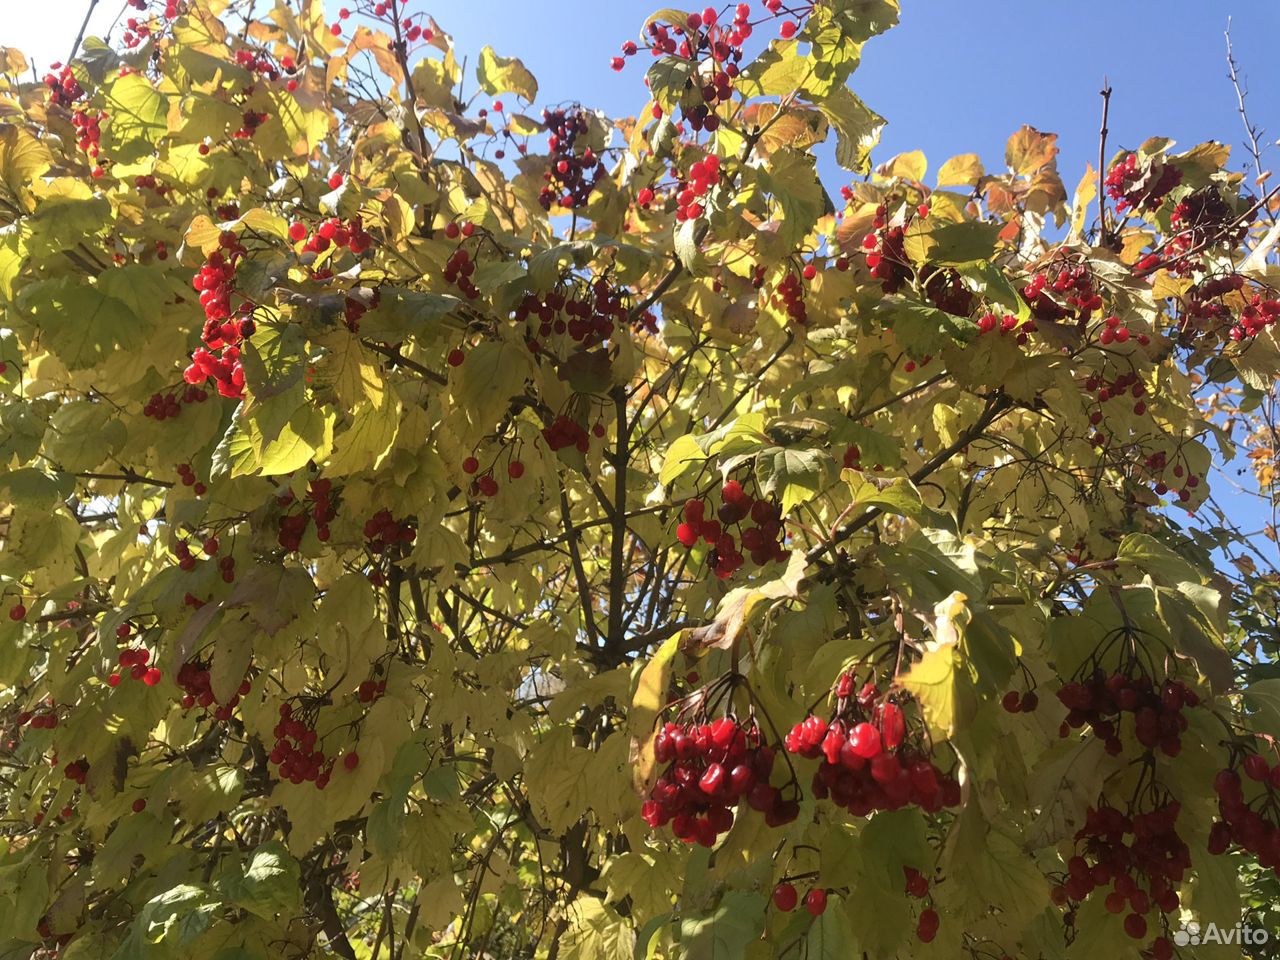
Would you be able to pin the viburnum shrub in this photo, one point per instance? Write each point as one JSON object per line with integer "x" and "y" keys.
{"x": 435, "y": 522}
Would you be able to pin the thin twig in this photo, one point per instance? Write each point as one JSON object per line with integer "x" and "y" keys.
{"x": 1105, "y": 92}
{"x": 75, "y": 47}
{"x": 1250, "y": 130}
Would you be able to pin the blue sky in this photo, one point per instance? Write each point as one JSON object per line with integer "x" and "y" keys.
{"x": 957, "y": 76}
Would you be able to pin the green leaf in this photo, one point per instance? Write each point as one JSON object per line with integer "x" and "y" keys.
{"x": 669, "y": 78}
{"x": 950, "y": 244}
{"x": 682, "y": 455}
{"x": 82, "y": 326}
{"x": 505, "y": 74}
{"x": 725, "y": 931}
{"x": 923, "y": 330}
{"x": 271, "y": 884}
{"x": 857, "y": 128}
{"x": 138, "y": 113}
{"x": 23, "y": 157}
{"x": 793, "y": 476}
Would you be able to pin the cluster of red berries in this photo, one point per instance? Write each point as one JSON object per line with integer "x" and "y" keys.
{"x": 1062, "y": 292}
{"x": 149, "y": 182}
{"x": 712, "y": 767}
{"x": 1200, "y": 220}
{"x": 565, "y": 432}
{"x": 572, "y": 175}
{"x": 485, "y": 484}
{"x": 1101, "y": 701}
{"x": 869, "y": 762}
{"x": 885, "y": 254}
{"x": 188, "y": 477}
{"x": 703, "y": 175}
{"x": 296, "y": 755}
{"x": 197, "y": 690}
{"x": 370, "y": 690}
{"x": 332, "y": 232}
{"x": 1113, "y": 331}
{"x": 88, "y": 126}
{"x": 458, "y": 270}
{"x": 788, "y": 295}
{"x": 763, "y": 540}
{"x": 63, "y": 85}
{"x": 222, "y": 333}
{"x": 166, "y": 406}
{"x": 136, "y": 659}
{"x": 77, "y": 771}
{"x": 990, "y": 323}
{"x": 1257, "y": 315}
{"x": 250, "y": 121}
{"x": 1142, "y": 859}
{"x": 44, "y": 717}
{"x": 591, "y": 315}
{"x": 917, "y": 885}
{"x": 785, "y": 899}
{"x": 382, "y": 530}
{"x": 1250, "y": 823}
{"x": 317, "y": 505}
{"x": 1202, "y": 305}
{"x": 1127, "y": 384}
{"x": 1015, "y": 702}
{"x": 1132, "y": 186}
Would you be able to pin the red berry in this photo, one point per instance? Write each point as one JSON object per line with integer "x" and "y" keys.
{"x": 297, "y": 231}
{"x": 335, "y": 181}
{"x": 1012, "y": 701}
{"x": 785, "y": 897}
{"x": 1135, "y": 925}
{"x": 456, "y": 357}
{"x": 139, "y": 805}
{"x": 470, "y": 465}
{"x": 815, "y": 901}
{"x": 927, "y": 926}
{"x": 17, "y": 612}
{"x": 515, "y": 469}
{"x": 351, "y": 760}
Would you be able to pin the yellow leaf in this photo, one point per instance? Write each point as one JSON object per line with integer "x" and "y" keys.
{"x": 647, "y": 703}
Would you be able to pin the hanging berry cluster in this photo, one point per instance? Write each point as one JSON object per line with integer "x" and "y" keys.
{"x": 1136, "y": 187}
{"x": 565, "y": 432}
{"x": 572, "y": 175}
{"x": 591, "y": 314}
{"x": 1249, "y": 820}
{"x": 44, "y": 717}
{"x": 762, "y": 540}
{"x": 712, "y": 767}
{"x": 166, "y": 406}
{"x": 1101, "y": 701}
{"x": 382, "y": 530}
{"x": 703, "y": 175}
{"x": 1201, "y": 219}
{"x": 788, "y": 295}
{"x": 295, "y": 751}
{"x": 885, "y": 255}
{"x": 332, "y": 232}
{"x": 1140, "y": 856}
{"x": 219, "y": 359}
{"x": 875, "y": 755}
{"x": 317, "y": 505}
{"x": 63, "y": 86}
{"x": 197, "y": 690}
{"x": 1064, "y": 291}
{"x": 136, "y": 660}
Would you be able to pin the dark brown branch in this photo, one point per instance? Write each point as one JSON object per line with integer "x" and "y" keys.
{"x": 1104, "y": 223}
{"x": 88, "y": 15}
